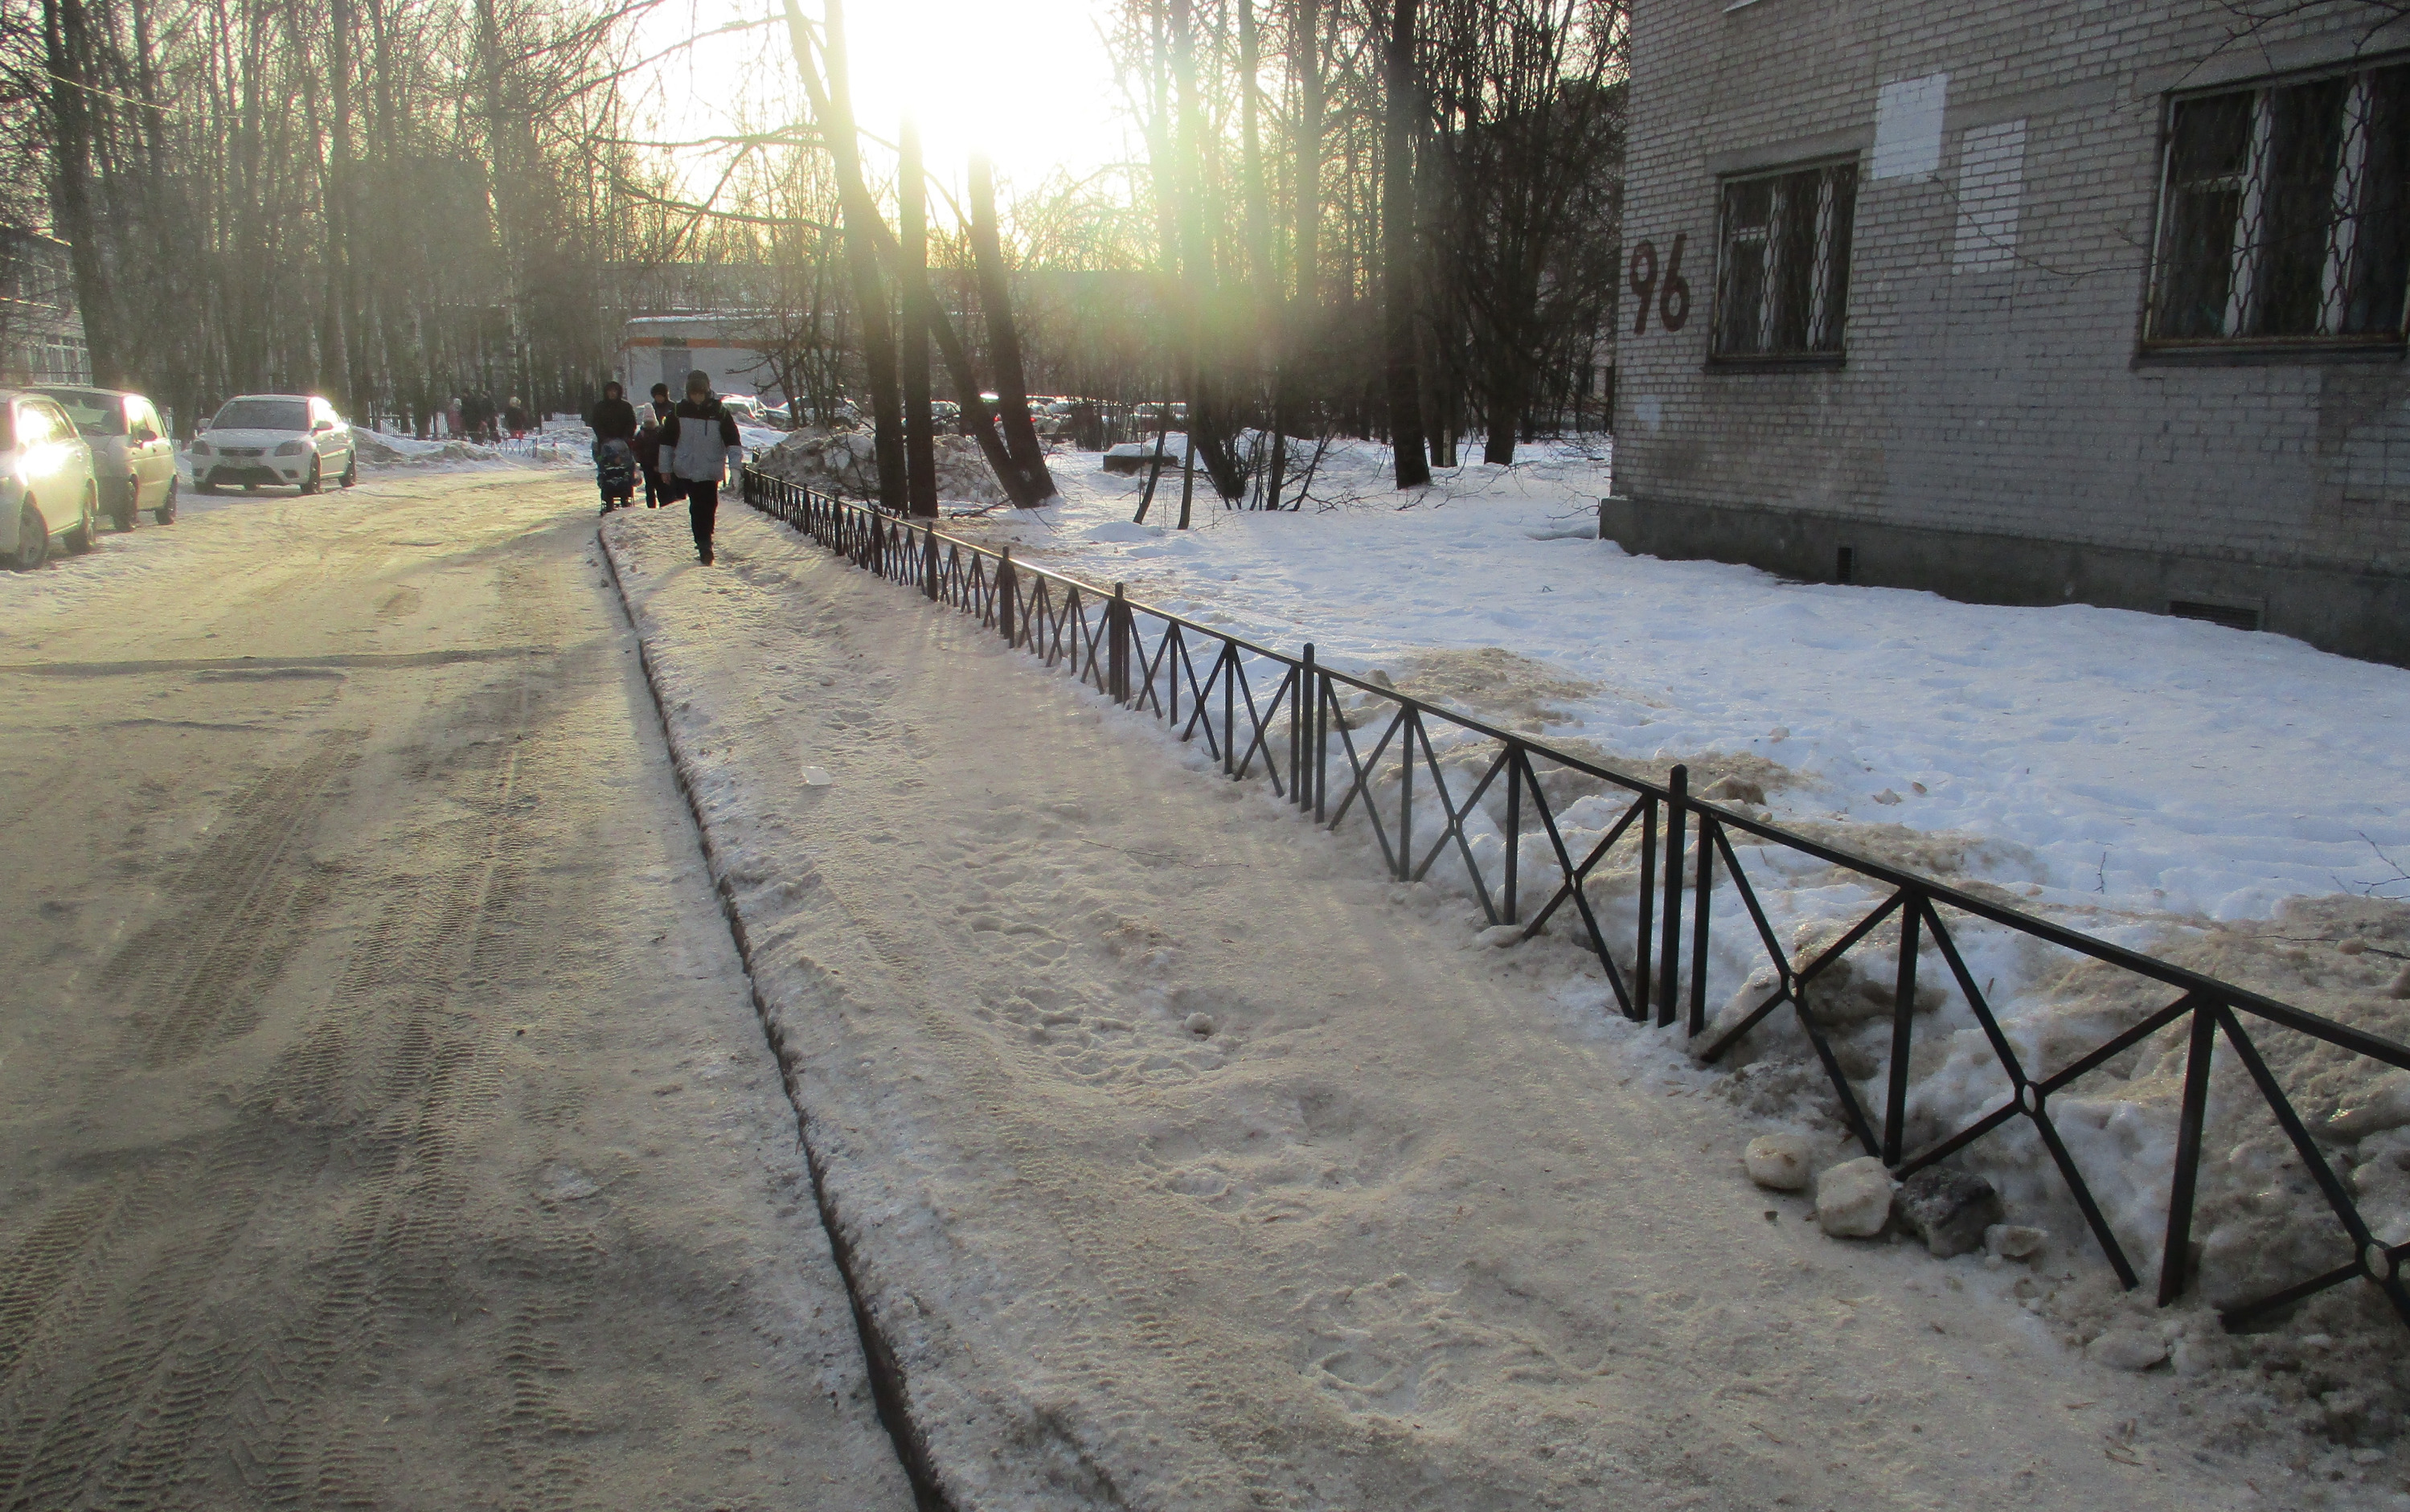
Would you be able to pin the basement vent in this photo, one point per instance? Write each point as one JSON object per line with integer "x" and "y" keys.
{"x": 2233, "y": 616}
{"x": 1845, "y": 565}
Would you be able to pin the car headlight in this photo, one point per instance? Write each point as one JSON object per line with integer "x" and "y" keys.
{"x": 292, "y": 448}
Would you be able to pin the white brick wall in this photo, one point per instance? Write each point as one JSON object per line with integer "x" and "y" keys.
{"x": 1991, "y": 381}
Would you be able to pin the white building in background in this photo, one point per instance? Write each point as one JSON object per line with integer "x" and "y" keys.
{"x": 663, "y": 349}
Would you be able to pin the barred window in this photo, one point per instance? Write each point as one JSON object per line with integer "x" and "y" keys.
{"x": 1782, "y": 278}
{"x": 2281, "y": 219}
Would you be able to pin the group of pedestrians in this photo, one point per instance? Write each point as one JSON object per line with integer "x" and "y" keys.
{"x": 477, "y": 417}
{"x": 685, "y": 450}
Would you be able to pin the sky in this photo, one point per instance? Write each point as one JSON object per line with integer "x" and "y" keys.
{"x": 1027, "y": 80}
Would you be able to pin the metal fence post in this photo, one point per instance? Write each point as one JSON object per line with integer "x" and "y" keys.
{"x": 1702, "y": 893}
{"x": 1513, "y": 829}
{"x": 929, "y": 563}
{"x": 2175, "y": 1261}
{"x": 1117, "y": 671}
{"x": 1300, "y": 716}
{"x": 1007, "y": 596}
{"x": 1406, "y": 728}
{"x": 1669, "y": 947}
{"x": 1903, "y": 1031}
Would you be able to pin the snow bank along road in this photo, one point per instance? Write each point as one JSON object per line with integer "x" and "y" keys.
{"x": 1183, "y": 1166}
{"x": 383, "y": 1120}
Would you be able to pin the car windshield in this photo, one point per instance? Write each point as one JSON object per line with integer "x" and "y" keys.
{"x": 94, "y": 413}
{"x": 263, "y": 415}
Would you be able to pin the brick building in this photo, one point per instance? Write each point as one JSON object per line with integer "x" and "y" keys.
{"x": 2062, "y": 301}
{"x": 41, "y": 330}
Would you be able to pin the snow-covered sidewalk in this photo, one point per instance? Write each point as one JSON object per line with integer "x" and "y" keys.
{"x": 1184, "y": 1163}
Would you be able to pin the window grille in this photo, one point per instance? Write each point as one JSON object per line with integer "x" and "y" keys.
{"x": 1783, "y": 273}
{"x": 2282, "y": 218}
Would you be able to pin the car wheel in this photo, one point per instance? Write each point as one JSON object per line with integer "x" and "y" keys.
{"x": 167, "y": 511}
{"x": 312, "y": 482}
{"x": 86, "y": 534}
{"x": 251, "y": 487}
{"x": 128, "y": 513}
{"x": 32, "y": 539}
{"x": 350, "y": 469}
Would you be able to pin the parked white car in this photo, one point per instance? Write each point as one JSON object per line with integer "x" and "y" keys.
{"x": 46, "y": 484}
{"x": 274, "y": 440}
{"x": 132, "y": 462}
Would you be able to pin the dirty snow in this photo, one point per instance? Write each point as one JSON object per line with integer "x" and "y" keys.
{"x": 1189, "y": 1163}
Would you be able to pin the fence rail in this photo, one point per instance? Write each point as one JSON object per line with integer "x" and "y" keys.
{"x": 1294, "y": 723}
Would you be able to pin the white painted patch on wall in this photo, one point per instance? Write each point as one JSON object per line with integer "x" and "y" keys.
{"x": 1649, "y": 410}
{"x": 1991, "y": 192}
{"x": 2376, "y": 460}
{"x": 1907, "y": 127}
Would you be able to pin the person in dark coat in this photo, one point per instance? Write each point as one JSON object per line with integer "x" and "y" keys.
{"x": 699, "y": 442}
{"x": 516, "y": 418}
{"x": 613, "y": 420}
{"x": 613, "y": 417}
{"x": 648, "y": 448}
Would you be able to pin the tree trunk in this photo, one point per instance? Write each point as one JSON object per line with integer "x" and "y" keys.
{"x": 1398, "y": 250}
{"x": 920, "y": 443}
{"x": 1306, "y": 313}
{"x": 1003, "y": 341}
{"x": 832, "y": 108}
{"x": 66, "y": 44}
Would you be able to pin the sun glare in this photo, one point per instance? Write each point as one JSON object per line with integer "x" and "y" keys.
{"x": 1026, "y": 81}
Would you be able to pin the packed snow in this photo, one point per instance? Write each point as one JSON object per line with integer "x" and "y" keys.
{"x": 2213, "y": 796}
{"x": 1187, "y": 1161}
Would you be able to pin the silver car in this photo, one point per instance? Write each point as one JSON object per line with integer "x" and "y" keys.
{"x": 132, "y": 462}
{"x": 293, "y": 440}
{"x": 46, "y": 484}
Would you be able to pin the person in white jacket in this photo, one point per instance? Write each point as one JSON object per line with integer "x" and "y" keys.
{"x": 700, "y": 447}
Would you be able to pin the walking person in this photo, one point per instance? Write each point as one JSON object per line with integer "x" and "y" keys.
{"x": 614, "y": 439}
{"x": 699, "y": 441}
{"x": 648, "y": 448}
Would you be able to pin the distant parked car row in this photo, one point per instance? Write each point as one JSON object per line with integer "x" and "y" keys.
{"x": 69, "y": 455}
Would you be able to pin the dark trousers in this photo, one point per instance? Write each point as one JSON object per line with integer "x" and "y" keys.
{"x": 652, "y": 488}
{"x": 702, "y": 511}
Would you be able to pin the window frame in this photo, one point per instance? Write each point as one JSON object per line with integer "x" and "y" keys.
{"x": 1721, "y": 361}
{"x": 2151, "y": 349}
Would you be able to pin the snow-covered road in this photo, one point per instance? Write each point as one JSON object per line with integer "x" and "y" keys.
{"x": 1186, "y": 1165}
{"x": 383, "y": 1118}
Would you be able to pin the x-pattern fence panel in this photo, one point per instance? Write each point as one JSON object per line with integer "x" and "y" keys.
{"x": 1429, "y": 784}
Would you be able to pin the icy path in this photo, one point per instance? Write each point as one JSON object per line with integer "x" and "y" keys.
{"x": 2116, "y": 759}
{"x": 383, "y": 1118}
{"x": 1184, "y": 1167}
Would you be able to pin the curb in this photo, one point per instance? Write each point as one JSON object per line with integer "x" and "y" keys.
{"x": 888, "y": 1387}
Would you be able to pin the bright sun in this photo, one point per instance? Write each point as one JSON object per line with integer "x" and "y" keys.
{"x": 1027, "y": 82}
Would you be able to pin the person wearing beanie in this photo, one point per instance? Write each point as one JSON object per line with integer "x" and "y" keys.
{"x": 699, "y": 444}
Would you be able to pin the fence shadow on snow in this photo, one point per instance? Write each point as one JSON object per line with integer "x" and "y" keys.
{"x": 1431, "y": 784}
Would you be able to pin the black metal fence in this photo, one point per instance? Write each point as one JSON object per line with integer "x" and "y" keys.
{"x": 1416, "y": 775}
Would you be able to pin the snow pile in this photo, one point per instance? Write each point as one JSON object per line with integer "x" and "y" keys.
{"x": 845, "y": 463}
{"x": 1138, "y": 455}
{"x": 566, "y": 446}
{"x": 379, "y": 448}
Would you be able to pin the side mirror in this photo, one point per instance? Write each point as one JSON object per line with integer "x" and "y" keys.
{"x": 323, "y": 425}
